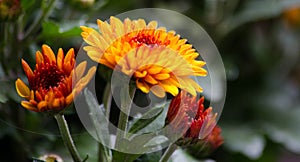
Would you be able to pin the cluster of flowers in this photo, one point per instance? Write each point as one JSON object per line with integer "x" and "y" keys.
{"x": 158, "y": 60}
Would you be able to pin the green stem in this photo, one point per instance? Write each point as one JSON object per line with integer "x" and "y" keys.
{"x": 103, "y": 152}
{"x": 126, "y": 102}
{"x": 66, "y": 136}
{"x": 36, "y": 24}
{"x": 170, "y": 150}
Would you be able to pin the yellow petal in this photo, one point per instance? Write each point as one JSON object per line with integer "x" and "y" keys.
{"x": 162, "y": 76}
{"x": 90, "y": 74}
{"x": 139, "y": 74}
{"x": 22, "y": 89}
{"x": 142, "y": 86}
{"x": 154, "y": 69}
{"x": 47, "y": 51}
{"x": 80, "y": 69}
{"x": 29, "y": 106}
{"x": 117, "y": 25}
{"x": 169, "y": 88}
{"x": 158, "y": 91}
{"x": 152, "y": 25}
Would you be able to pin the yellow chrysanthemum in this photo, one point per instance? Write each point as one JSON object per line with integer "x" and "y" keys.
{"x": 51, "y": 81}
{"x": 159, "y": 60}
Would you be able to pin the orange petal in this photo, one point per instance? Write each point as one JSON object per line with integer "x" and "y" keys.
{"x": 69, "y": 56}
{"x": 162, "y": 76}
{"x": 60, "y": 58}
{"x": 47, "y": 51}
{"x": 150, "y": 79}
{"x": 69, "y": 99}
{"x": 29, "y": 106}
{"x": 42, "y": 105}
{"x": 22, "y": 89}
{"x": 27, "y": 69}
{"x": 39, "y": 58}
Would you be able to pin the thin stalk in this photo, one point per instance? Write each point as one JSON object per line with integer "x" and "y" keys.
{"x": 167, "y": 154}
{"x": 103, "y": 152}
{"x": 36, "y": 24}
{"x": 66, "y": 136}
{"x": 126, "y": 102}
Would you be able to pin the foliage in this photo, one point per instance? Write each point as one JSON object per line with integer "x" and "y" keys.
{"x": 259, "y": 46}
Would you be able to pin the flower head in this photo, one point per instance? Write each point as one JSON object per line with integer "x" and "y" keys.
{"x": 158, "y": 60}
{"x": 10, "y": 9}
{"x": 187, "y": 116}
{"x": 292, "y": 16}
{"x": 52, "y": 80}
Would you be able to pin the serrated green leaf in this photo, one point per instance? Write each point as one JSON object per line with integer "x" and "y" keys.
{"x": 146, "y": 119}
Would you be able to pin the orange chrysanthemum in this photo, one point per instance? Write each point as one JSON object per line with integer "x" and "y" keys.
{"x": 158, "y": 60}
{"x": 187, "y": 116}
{"x": 51, "y": 81}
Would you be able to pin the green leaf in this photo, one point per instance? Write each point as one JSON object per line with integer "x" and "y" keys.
{"x": 244, "y": 140}
{"x": 286, "y": 132}
{"x": 146, "y": 119}
{"x": 179, "y": 156}
{"x": 98, "y": 117}
{"x": 158, "y": 122}
{"x": 120, "y": 156}
{"x": 3, "y": 97}
{"x": 26, "y": 4}
{"x": 51, "y": 29}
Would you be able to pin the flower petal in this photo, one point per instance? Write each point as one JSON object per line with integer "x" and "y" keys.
{"x": 29, "y": 106}
{"x": 22, "y": 89}
{"x": 47, "y": 51}
{"x": 27, "y": 70}
{"x": 60, "y": 59}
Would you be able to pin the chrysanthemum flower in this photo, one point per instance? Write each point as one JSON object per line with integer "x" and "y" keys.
{"x": 158, "y": 60}
{"x": 292, "y": 16}
{"x": 187, "y": 116}
{"x": 51, "y": 82}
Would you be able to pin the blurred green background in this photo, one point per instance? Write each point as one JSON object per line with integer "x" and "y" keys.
{"x": 257, "y": 39}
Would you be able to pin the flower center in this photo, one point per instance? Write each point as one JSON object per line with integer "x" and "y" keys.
{"x": 148, "y": 39}
{"x": 47, "y": 76}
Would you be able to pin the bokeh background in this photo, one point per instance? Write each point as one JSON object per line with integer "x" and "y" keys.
{"x": 257, "y": 39}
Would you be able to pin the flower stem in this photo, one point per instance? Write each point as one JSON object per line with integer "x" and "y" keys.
{"x": 37, "y": 22}
{"x": 65, "y": 133}
{"x": 103, "y": 152}
{"x": 170, "y": 150}
{"x": 124, "y": 111}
